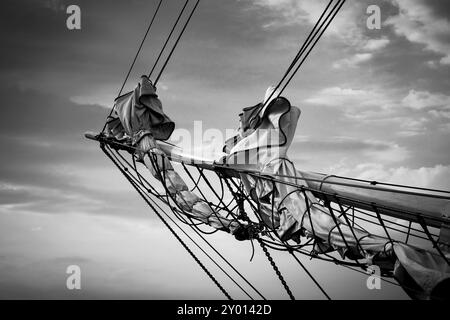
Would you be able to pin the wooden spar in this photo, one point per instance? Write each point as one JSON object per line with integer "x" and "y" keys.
{"x": 410, "y": 206}
{"x": 173, "y": 152}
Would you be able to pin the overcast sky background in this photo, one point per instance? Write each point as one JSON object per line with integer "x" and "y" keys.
{"x": 375, "y": 104}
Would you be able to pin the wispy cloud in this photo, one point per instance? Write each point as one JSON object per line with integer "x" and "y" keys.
{"x": 350, "y": 98}
{"x": 353, "y": 61}
{"x": 383, "y": 114}
{"x": 414, "y": 113}
{"x": 367, "y": 52}
{"x": 376, "y": 44}
{"x": 419, "y": 24}
{"x": 426, "y": 100}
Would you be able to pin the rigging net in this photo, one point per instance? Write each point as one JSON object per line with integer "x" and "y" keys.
{"x": 245, "y": 211}
{"x": 231, "y": 198}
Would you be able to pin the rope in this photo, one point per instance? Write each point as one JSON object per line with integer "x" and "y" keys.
{"x": 372, "y": 182}
{"x": 141, "y": 187}
{"x": 176, "y": 42}
{"x": 140, "y": 48}
{"x": 313, "y": 45}
{"x": 286, "y": 246}
{"x": 168, "y": 38}
{"x": 259, "y": 174}
{"x": 275, "y": 268}
{"x": 144, "y": 182}
{"x": 290, "y": 250}
{"x": 226, "y": 206}
{"x": 435, "y": 244}
{"x": 310, "y": 275}
{"x": 168, "y": 226}
{"x": 300, "y": 52}
{"x": 385, "y": 280}
{"x": 358, "y": 244}
{"x": 136, "y": 56}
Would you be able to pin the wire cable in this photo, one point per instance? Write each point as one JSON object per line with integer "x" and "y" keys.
{"x": 135, "y": 57}
{"x": 176, "y": 42}
{"x": 168, "y": 38}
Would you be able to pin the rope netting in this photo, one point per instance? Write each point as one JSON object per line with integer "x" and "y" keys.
{"x": 222, "y": 190}
{"x": 224, "y": 195}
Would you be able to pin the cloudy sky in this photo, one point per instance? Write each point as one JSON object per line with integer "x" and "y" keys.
{"x": 375, "y": 104}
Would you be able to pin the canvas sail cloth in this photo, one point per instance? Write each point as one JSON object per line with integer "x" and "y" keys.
{"x": 139, "y": 119}
{"x": 265, "y": 134}
{"x": 139, "y": 113}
